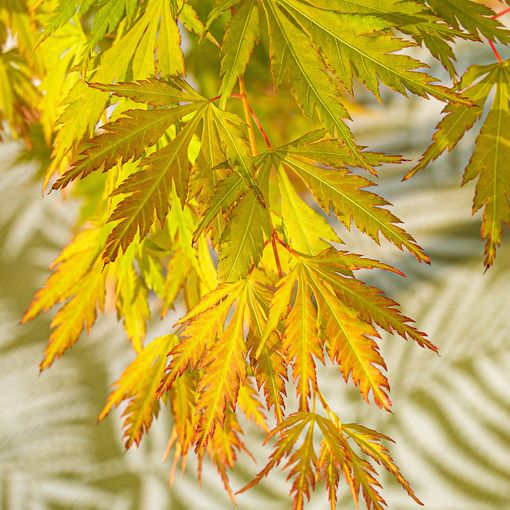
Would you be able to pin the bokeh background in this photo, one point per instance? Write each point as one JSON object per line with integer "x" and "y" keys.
{"x": 451, "y": 412}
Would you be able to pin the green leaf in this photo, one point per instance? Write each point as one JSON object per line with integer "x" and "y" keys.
{"x": 489, "y": 164}
{"x": 488, "y": 161}
{"x": 475, "y": 18}
{"x": 240, "y": 38}
{"x": 232, "y": 133}
{"x": 243, "y": 239}
{"x": 306, "y": 74}
{"x": 154, "y": 92}
{"x": 126, "y": 138}
{"x": 307, "y": 231}
{"x": 344, "y": 193}
{"x": 149, "y": 190}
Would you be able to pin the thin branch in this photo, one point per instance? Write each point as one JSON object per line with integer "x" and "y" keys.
{"x": 491, "y": 44}
{"x": 502, "y": 13}
{"x": 247, "y": 116}
{"x": 274, "y": 236}
{"x": 495, "y": 51}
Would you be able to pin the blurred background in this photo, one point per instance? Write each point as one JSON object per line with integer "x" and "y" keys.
{"x": 451, "y": 412}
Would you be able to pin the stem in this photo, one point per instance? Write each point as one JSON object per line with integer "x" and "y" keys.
{"x": 285, "y": 245}
{"x": 496, "y": 52}
{"x": 247, "y": 116}
{"x": 502, "y": 13}
{"x": 274, "y": 235}
{"x": 259, "y": 125}
{"x": 261, "y": 129}
{"x": 491, "y": 44}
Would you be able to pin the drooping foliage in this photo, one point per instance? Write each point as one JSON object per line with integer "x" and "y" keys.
{"x": 210, "y": 145}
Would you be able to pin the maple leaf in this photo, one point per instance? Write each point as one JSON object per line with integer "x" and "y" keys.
{"x": 243, "y": 238}
{"x": 337, "y": 188}
{"x": 149, "y": 190}
{"x": 410, "y": 17}
{"x": 238, "y": 43}
{"x": 69, "y": 268}
{"x": 345, "y": 335}
{"x": 492, "y": 193}
{"x": 182, "y": 398}
{"x": 131, "y": 300}
{"x": 78, "y": 284}
{"x": 475, "y": 18}
{"x": 336, "y": 455}
{"x": 77, "y": 314}
{"x": 347, "y": 310}
{"x": 249, "y": 404}
{"x": 223, "y": 447}
{"x": 138, "y": 384}
{"x": 307, "y": 231}
{"x": 215, "y": 344}
{"x": 128, "y": 137}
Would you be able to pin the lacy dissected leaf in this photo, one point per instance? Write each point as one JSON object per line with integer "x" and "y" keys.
{"x": 219, "y": 350}
{"x": 301, "y": 339}
{"x": 125, "y": 139}
{"x": 77, "y": 314}
{"x": 191, "y": 215}
{"x": 271, "y": 373}
{"x": 296, "y": 442}
{"x": 108, "y": 17}
{"x": 153, "y": 91}
{"x": 131, "y": 300}
{"x": 196, "y": 337}
{"x": 489, "y": 164}
{"x": 150, "y": 190}
{"x": 301, "y": 459}
{"x": 307, "y": 231}
{"x": 267, "y": 356}
{"x": 370, "y": 57}
{"x": 294, "y": 63}
{"x": 232, "y": 133}
{"x": 77, "y": 281}
{"x": 69, "y": 268}
{"x": 302, "y": 45}
{"x": 371, "y": 444}
{"x": 368, "y": 301}
{"x": 224, "y": 446}
{"x": 472, "y": 16}
{"x": 343, "y": 324}
{"x": 344, "y": 192}
{"x": 490, "y": 155}
{"x": 213, "y": 341}
{"x": 138, "y": 384}
{"x": 238, "y": 43}
{"x": 331, "y": 325}
{"x": 410, "y": 17}
{"x": 182, "y": 397}
{"x": 250, "y": 405}
{"x": 134, "y": 53}
{"x": 242, "y": 241}
{"x": 224, "y": 372}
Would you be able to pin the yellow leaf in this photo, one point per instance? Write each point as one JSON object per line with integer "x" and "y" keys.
{"x": 139, "y": 384}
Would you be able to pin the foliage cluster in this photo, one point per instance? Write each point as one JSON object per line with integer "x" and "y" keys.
{"x": 141, "y": 110}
